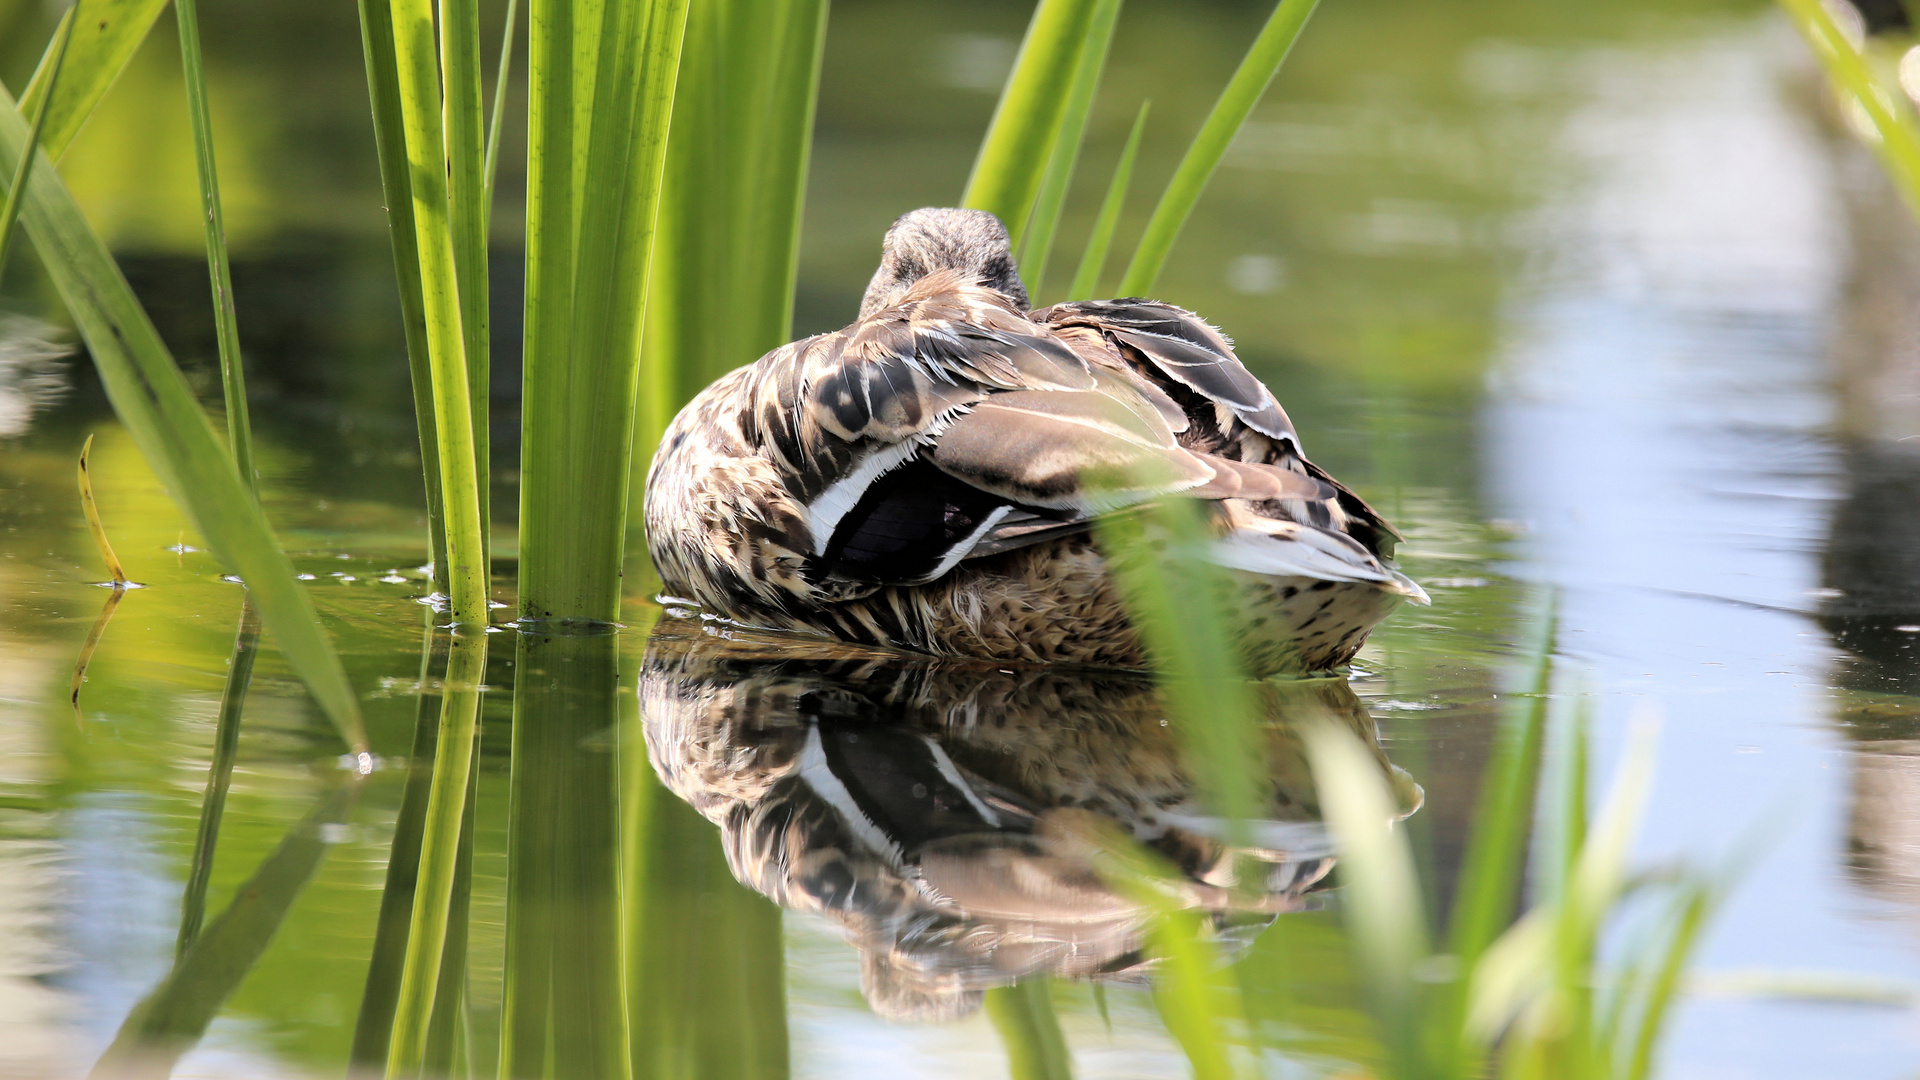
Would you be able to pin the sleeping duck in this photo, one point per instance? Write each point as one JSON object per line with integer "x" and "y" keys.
{"x": 928, "y": 477}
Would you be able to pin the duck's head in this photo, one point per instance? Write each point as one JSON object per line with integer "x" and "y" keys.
{"x": 943, "y": 238}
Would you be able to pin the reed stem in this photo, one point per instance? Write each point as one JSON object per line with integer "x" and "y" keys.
{"x": 1052, "y": 199}
{"x": 434, "y": 235}
{"x": 233, "y": 382}
{"x": 602, "y": 82}
{"x": 467, "y": 191}
{"x": 1013, "y": 157}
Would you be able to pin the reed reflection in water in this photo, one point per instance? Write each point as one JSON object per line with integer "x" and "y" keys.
{"x": 948, "y": 814}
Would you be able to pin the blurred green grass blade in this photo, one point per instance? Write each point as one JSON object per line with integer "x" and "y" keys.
{"x": 1488, "y": 893}
{"x": 1065, "y": 153}
{"x": 1087, "y": 278}
{"x": 455, "y": 747}
{"x": 1185, "y": 994}
{"x": 1882, "y": 100}
{"x": 390, "y": 140}
{"x": 226, "y": 744}
{"x": 159, "y": 409}
{"x": 10, "y": 211}
{"x": 419, "y": 93}
{"x": 233, "y": 380}
{"x": 1692, "y": 909}
{"x": 106, "y": 35}
{"x": 1197, "y": 1005}
{"x": 498, "y": 115}
{"x": 726, "y": 253}
{"x": 1382, "y": 904}
{"x": 1013, "y": 157}
{"x": 1236, "y": 102}
{"x": 172, "y": 1018}
{"x": 1023, "y": 1015}
{"x": 1174, "y": 595}
{"x": 602, "y": 89}
{"x": 563, "y": 1012}
{"x": 373, "y": 1026}
{"x": 1569, "y": 833}
{"x": 463, "y": 124}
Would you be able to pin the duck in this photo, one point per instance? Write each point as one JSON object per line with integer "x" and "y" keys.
{"x": 949, "y": 816}
{"x": 930, "y": 477}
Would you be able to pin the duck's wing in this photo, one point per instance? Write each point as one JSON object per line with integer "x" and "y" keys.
{"x": 846, "y": 418}
{"x": 953, "y": 426}
{"x": 1229, "y": 411}
{"x": 1183, "y": 348}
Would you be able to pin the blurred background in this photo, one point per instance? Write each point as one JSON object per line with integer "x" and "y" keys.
{"x": 1597, "y": 296}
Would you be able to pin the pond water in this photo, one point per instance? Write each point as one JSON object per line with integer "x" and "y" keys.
{"x": 1602, "y": 301}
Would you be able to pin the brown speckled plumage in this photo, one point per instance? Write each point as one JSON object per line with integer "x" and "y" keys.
{"x": 926, "y": 477}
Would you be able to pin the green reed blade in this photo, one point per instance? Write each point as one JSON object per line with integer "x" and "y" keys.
{"x": 1013, "y": 156}
{"x": 1176, "y": 597}
{"x": 433, "y": 227}
{"x": 90, "y": 508}
{"x": 726, "y": 254}
{"x": 373, "y": 1027}
{"x": 240, "y": 444}
{"x": 172, "y": 1018}
{"x": 233, "y": 384}
{"x": 498, "y": 115}
{"x": 1094, "y": 259}
{"x": 1490, "y": 877}
{"x": 1197, "y": 1005}
{"x": 563, "y": 1012}
{"x": 440, "y": 835}
{"x": 1185, "y": 994}
{"x": 1236, "y": 102}
{"x": 226, "y": 744}
{"x": 106, "y": 35}
{"x": 160, "y": 411}
{"x": 602, "y": 83}
{"x": 1691, "y": 910}
{"x": 1065, "y": 152}
{"x": 226, "y": 326}
{"x": 1882, "y": 100}
{"x": 10, "y": 211}
{"x": 463, "y": 123}
{"x": 1382, "y": 906}
{"x": 390, "y": 140}
{"x": 1569, "y": 812}
{"x": 1023, "y": 1015}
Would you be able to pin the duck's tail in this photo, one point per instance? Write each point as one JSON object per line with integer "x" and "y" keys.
{"x": 1278, "y": 548}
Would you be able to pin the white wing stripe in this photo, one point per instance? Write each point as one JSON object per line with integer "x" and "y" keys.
{"x": 824, "y": 513}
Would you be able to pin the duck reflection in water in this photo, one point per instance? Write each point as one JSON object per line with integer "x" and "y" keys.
{"x": 947, "y": 813}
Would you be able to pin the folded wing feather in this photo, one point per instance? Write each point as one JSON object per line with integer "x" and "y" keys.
{"x": 962, "y": 428}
